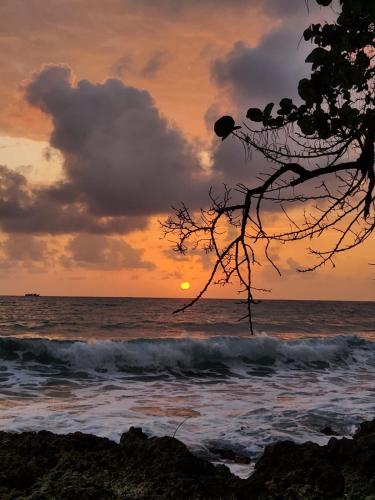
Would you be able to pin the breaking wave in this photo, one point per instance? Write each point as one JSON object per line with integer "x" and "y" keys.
{"x": 223, "y": 355}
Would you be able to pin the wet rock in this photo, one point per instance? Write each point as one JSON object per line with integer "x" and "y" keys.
{"x": 328, "y": 431}
{"x": 342, "y": 469}
{"x": 133, "y": 435}
{"x": 45, "y": 466}
{"x": 289, "y": 470}
{"x": 366, "y": 429}
{"x": 228, "y": 454}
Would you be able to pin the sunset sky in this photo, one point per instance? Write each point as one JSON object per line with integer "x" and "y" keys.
{"x": 107, "y": 108}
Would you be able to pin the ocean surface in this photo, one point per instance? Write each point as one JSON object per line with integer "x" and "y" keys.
{"x": 101, "y": 365}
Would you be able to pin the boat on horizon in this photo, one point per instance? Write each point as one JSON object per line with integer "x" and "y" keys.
{"x": 32, "y": 295}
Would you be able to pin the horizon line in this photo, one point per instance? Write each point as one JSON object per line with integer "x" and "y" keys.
{"x": 41, "y": 296}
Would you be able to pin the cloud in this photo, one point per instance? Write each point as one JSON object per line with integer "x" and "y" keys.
{"x": 122, "y": 161}
{"x": 89, "y": 251}
{"x": 20, "y": 247}
{"x": 100, "y": 252}
{"x": 289, "y": 8}
{"x": 121, "y": 156}
{"x": 20, "y": 251}
{"x": 272, "y": 69}
{"x": 265, "y": 73}
{"x": 29, "y": 209}
{"x": 275, "y": 8}
{"x": 179, "y": 6}
{"x": 231, "y": 162}
{"x": 155, "y": 63}
{"x": 122, "y": 66}
{"x": 255, "y": 76}
{"x": 126, "y": 65}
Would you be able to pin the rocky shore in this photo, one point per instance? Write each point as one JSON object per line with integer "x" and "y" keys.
{"x": 46, "y": 466}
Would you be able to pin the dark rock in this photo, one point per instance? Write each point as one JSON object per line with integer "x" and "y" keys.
{"x": 328, "y": 431}
{"x": 366, "y": 429}
{"x": 296, "y": 471}
{"x": 44, "y": 466}
{"x": 344, "y": 468}
{"x": 78, "y": 466}
{"x": 228, "y": 454}
{"x": 133, "y": 435}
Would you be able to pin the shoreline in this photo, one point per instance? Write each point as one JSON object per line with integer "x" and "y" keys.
{"x": 42, "y": 465}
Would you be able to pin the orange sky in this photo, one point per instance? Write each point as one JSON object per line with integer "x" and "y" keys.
{"x": 169, "y": 52}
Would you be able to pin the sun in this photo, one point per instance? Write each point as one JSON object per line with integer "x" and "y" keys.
{"x": 185, "y": 285}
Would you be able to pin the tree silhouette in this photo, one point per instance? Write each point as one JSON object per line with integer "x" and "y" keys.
{"x": 322, "y": 151}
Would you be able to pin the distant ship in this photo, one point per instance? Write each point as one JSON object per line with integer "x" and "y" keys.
{"x": 32, "y": 295}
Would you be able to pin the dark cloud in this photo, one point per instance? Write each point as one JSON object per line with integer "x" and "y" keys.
{"x": 233, "y": 165}
{"x": 99, "y": 252}
{"x": 90, "y": 251}
{"x": 155, "y": 63}
{"x": 255, "y": 76}
{"x": 272, "y": 69}
{"x": 265, "y": 73}
{"x": 121, "y": 156}
{"x": 27, "y": 209}
{"x": 23, "y": 251}
{"x": 287, "y": 8}
{"x": 231, "y": 162}
{"x": 21, "y": 247}
{"x": 122, "y": 161}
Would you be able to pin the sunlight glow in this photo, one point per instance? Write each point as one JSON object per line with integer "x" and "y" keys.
{"x": 185, "y": 285}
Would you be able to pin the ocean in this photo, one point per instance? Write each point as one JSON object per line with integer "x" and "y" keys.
{"x": 101, "y": 365}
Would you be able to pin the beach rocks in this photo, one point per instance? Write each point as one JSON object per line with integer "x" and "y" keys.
{"x": 78, "y": 466}
{"x": 290, "y": 471}
{"x": 343, "y": 469}
{"x": 230, "y": 455}
{"x": 44, "y": 466}
{"x": 328, "y": 431}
